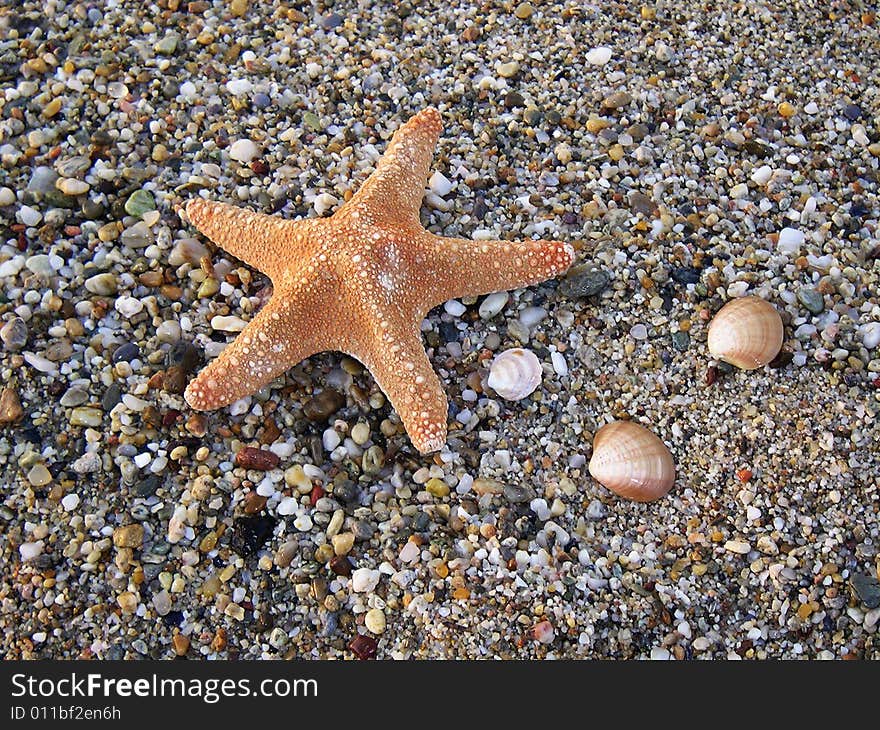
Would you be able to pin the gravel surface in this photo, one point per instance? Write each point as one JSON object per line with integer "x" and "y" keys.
{"x": 692, "y": 155}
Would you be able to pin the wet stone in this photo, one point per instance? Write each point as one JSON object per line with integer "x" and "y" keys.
{"x": 323, "y": 405}
{"x": 139, "y": 202}
{"x": 250, "y": 533}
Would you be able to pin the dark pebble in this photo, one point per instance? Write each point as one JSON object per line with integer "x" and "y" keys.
{"x": 449, "y": 331}
{"x": 685, "y": 275}
{"x": 101, "y": 138}
{"x": 811, "y": 299}
{"x": 852, "y": 112}
{"x": 480, "y": 209}
{"x": 553, "y": 117}
{"x": 147, "y": 487}
{"x": 261, "y": 101}
{"x": 867, "y": 588}
{"x": 346, "y": 491}
{"x": 323, "y": 405}
{"x": 725, "y": 368}
{"x": 518, "y": 493}
{"x": 569, "y": 218}
{"x": 249, "y": 534}
{"x": 681, "y": 341}
{"x": 92, "y": 210}
{"x": 111, "y": 397}
{"x": 363, "y": 646}
{"x": 185, "y": 355}
{"x": 175, "y": 379}
{"x": 421, "y": 522}
{"x": 126, "y": 353}
{"x": 340, "y": 565}
{"x": 362, "y": 530}
{"x": 754, "y": 147}
{"x": 532, "y": 116}
{"x": 783, "y": 358}
{"x": 513, "y": 99}
{"x": 584, "y": 281}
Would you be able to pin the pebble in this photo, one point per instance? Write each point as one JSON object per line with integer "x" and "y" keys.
{"x": 374, "y": 620}
{"x": 10, "y": 406}
{"x": 867, "y": 589}
{"x": 323, "y": 405}
{"x": 584, "y": 281}
{"x": 616, "y": 100}
{"x": 139, "y": 202}
{"x": 440, "y": 184}
{"x": 506, "y": 71}
{"x": 524, "y": 11}
{"x": 870, "y": 334}
{"x": 639, "y": 332}
{"x": 681, "y": 341}
{"x": 128, "y": 307}
{"x": 86, "y": 416}
{"x": 737, "y": 546}
{"x": 88, "y": 463}
{"x": 303, "y": 523}
{"x": 811, "y": 299}
{"x": 250, "y": 457}
{"x": 244, "y": 151}
{"x": 167, "y": 45}
{"x": 70, "y": 186}
{"x": 28, "y": 216}
{"x": 187, "y": 251}
{"x": 30, "y": 550}
{"x": 7, "y": 197}
{"x": 454, "y": 308}
{"x": 364, "y": 580}
{"x": 790, "y": 240}
{"x": 228, "y": 323}
{"x": 493, "y": 304}
{"x": 599, "y": 56}
{"x": 14, "y": 334}
{"x": 70, "y": 502}
{"x": 74, "y": 396}
{"x": 39, "y": 476}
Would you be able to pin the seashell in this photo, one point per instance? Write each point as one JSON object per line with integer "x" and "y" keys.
{"x": 746, "y": 332}
{"x": 515, "y": 373}
{"x": 631, "y": 461}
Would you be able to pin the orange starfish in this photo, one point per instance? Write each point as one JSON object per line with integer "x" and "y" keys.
{"x": 361, "y": 282}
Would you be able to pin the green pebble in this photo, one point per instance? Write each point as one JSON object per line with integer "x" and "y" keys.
{"x": 310, "y": 119}
{"x": 811, "y": 299}
{"x": 139, "y": 202}
{"x": 681, "y": 341}
{"x": 168, "y": 45}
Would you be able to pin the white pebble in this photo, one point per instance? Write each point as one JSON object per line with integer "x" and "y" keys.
{"x": 238, "y": 87}
{"x": 410, "y": 552}
{"x": 639, "y": 332}
{"x": 324, "y": 202}
{"x": 29, "y": 216}
{"x": 870, "y": 334}
{"x": 30, "y": 550}
{"x": 243, "y": 150}
{"x": 790, "y": 240}
{"x": 188, "y": 90}
{"x": 493, "y": 304}
{"x": 440, "y": 184}
{"x": 331, "y": 439}
{"x": 658, "y": 653}
{"x": 455, "y": 308}
{"x": 128, "y": 306}
{"x": 287, "y": 506}
{"x": 7, "y": 197}
{"x": 761, "y": 175}
{"x": 364, "y": 580}
{"x": 811, "y": 108}
{"x": 228, "y": 323}
{"x": 303, "y": 523}
{"x": 142, "y": 459}
{"x": 739, "y": 191}
{"x": 70, "y": 502}
{"x": 560, "y": 367}
{"x": 599, "y": 56}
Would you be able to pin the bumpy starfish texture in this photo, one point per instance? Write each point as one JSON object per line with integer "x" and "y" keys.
{"x": 361, "y": 282}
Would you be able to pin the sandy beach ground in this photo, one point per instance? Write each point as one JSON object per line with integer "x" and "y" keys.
{"x": 692, "y": 153}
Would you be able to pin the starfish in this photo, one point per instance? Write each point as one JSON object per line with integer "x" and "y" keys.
{"x": 360, "y": 282}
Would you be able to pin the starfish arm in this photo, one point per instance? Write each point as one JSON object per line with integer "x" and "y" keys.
{"x": 458, "y": 267}
{"x": 400, "y": 366}
{"x": 266, "y": 242}
{"x": 281, "y": 335}
{"x": 397, "y": 185}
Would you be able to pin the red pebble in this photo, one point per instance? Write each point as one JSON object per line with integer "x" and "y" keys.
{"x": 316, "y": 494}
{"x": 253, "y": 458}
{"x": 363, "y": 646}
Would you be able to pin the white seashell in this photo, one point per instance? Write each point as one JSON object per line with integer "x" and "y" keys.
{"x": 514, "y": 374}
{"x": 631, "y": 461}
{"x": 746, "y": 332}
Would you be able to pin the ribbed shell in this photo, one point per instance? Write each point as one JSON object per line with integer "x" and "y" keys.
{"x": 631, "y": 461}
{"x": 514, "y": 374}
{"x": 746, "y": 332}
